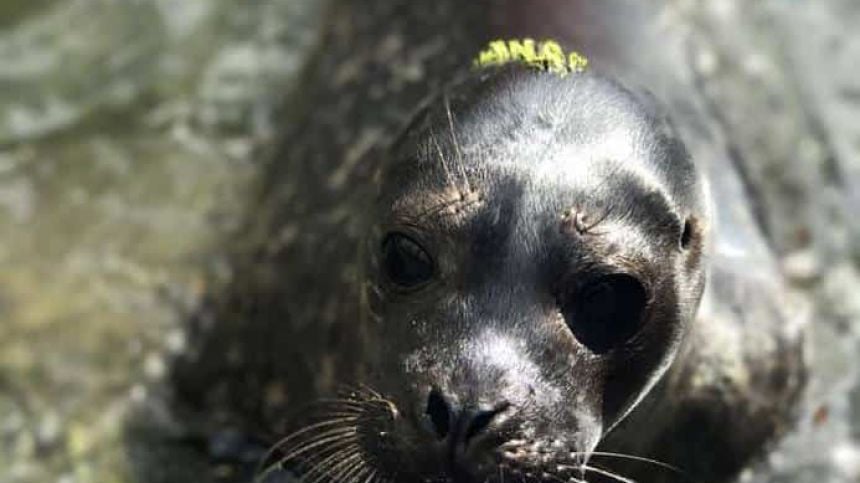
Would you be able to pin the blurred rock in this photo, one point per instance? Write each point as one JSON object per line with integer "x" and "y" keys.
{"x": 116, "y": 191}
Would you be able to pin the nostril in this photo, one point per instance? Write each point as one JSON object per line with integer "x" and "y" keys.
{"x": 439, "y": 412}
{"x": 482, "y": 419}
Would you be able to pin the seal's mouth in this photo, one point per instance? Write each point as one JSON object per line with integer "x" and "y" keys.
{"x": 355, "y": 438}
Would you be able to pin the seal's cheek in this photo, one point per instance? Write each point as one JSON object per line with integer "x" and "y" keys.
{"x": 634, "y": 370}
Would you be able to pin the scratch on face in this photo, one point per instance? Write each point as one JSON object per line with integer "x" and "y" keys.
{"x": 450, "y": 204}
{"x": 576, "y": 220}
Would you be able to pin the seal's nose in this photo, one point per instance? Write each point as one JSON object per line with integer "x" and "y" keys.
{"x": 440, "y": 413}
{"x": 459, "y": 425}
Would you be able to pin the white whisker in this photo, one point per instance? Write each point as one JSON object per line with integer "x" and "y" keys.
{"x": 456, "y": 143}
{"x": 614, "y": 476}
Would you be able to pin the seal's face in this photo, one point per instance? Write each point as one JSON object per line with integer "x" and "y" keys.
{"x": 534, "y": 264}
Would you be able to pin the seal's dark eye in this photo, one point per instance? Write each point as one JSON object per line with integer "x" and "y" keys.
{"x": 405, "y": 263}
{"x": 606, "y": 312}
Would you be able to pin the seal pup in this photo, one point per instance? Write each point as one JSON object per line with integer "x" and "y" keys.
{"x": 535, "y": 261}
{"x": 471, "y": 332}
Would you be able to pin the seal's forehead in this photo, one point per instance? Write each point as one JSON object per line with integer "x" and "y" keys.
{"x": 529, "y": 118}
{"x": 581, "y": 105}
{"x": 582, "y": 135}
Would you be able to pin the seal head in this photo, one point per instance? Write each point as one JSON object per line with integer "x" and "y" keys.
{"x": 533, "y": 266}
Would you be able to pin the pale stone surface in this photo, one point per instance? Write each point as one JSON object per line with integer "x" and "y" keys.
{"x": 128, "y": 132}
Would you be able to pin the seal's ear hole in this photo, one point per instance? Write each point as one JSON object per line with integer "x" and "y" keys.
{"x": 606, "y": 312}
{"x": 688, "y": 233}
{"x": 405, "y": 263}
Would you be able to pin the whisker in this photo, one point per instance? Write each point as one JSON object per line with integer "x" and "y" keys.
{"x": 280, "y": 444}
{"x": 371, "y": 477}
{"x": 610, "y": 474}
{"x": 377, "y": 317}
{"x": 353, "y": 416}
{"x": 370, "y": 390}
{"x": 337, "y": 445}
{"x": 316, "y": 444}
{"x": 261, "y": 476}
{"x": 358, "y": 476}
{"x": 641, "y": 459}
{"x": 295, "y": 435}
{"x": 456, "y": 143}
{"x": 329, "y": 464}
{"x": 280, "y": 464}
{"x": 348, "y": 467}
{"x": 448, "y": 176}
{"x": 351, "y": 403}
{"x": 570, "y": 479}
{"x": 329, "y": 422}
{"x": 329, "y": 449}
{"x": 557, "y": 478}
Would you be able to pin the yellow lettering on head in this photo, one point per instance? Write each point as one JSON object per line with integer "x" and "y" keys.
{"x": 495, "y": 54}
{"x": 545, "y": 55}
{"x": 501, "y": 51}
{"x": 577, "y": 62}
{"x": 523, "y": 50}
{"x": 553, "y": 56}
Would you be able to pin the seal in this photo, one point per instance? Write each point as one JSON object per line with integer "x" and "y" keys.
{"x": 534, "y": 262}
{"x": 502, "y": 263}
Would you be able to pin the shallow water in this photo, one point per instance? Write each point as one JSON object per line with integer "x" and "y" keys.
{"x": 129, "y": 131}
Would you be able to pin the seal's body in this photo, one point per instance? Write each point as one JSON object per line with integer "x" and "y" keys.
{"x": 505, "y": 263}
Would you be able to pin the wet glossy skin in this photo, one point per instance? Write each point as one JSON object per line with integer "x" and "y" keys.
{"x": 543, "y": 186}
{"x": 520, "y": 191}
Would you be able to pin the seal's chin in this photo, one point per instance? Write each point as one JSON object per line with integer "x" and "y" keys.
{"x": 444, "y": 471}
{"x": 523, "y": 461}
{"x": 438, "y": 468}
{"x": 404, "y": 452}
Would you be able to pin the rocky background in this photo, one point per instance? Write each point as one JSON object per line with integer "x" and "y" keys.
{"x": 131, "y": 130}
